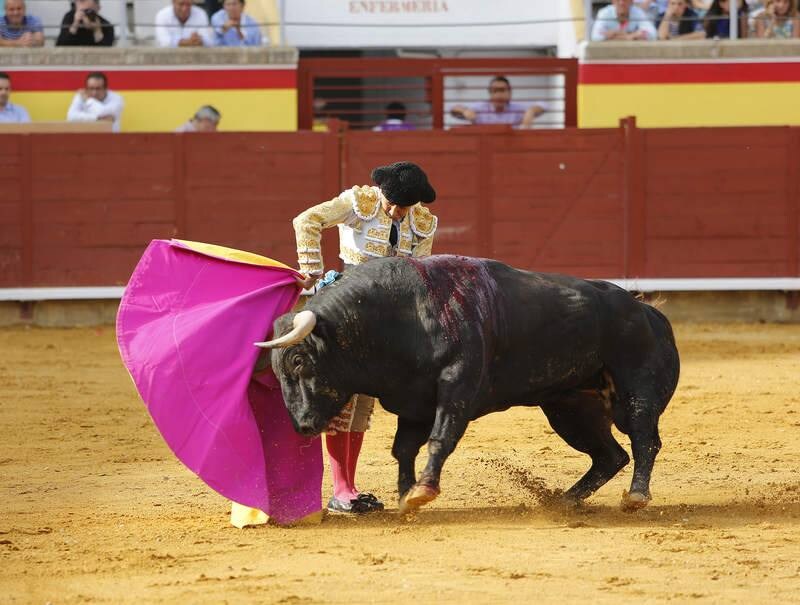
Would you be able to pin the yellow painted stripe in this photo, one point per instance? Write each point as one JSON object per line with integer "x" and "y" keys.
{"x": 164, "y": 111}
{"x": 685, "y": 105}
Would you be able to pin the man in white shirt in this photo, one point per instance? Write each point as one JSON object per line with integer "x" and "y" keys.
{"x": 96, "y": 102}
{"x": 621, "y": 21}
{"x": 182, "y": 24}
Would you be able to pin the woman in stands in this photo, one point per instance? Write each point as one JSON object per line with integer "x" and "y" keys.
{"x": 679, "y": 21}
{"x": 717, "y": 23}
{"x": 778, "y": 20}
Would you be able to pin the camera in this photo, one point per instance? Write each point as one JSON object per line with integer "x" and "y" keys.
{"x": 90, "y": 12}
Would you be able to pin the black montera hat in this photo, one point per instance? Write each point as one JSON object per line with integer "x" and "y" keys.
{"x": 404, "y": 184}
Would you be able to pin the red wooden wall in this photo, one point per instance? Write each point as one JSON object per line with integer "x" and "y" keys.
{"x": 78, "y": 210}
{"x": 718, "y": 202}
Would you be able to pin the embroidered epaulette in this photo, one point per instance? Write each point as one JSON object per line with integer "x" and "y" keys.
{"x": 423, "y": 222}
{"x": 365, "y": 202}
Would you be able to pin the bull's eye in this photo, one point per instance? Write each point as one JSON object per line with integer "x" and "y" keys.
{"x": 297, "y": 361}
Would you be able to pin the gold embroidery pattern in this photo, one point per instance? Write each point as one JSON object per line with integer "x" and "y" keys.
{"x": 365, "y": 202}
{"x": 307, "y": 227}
{"x": 378, "y": 235}
{"x": 375, "y": 249}
{"x": 423, "y": 223}
{"x": 307, "y": 245}
{"x": 309, "y": 259}
{"x": 423, "y": 247}
{"x": 351, "y": 256}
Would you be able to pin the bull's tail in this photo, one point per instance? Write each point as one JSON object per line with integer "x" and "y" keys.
{"x": 669, "y": 358}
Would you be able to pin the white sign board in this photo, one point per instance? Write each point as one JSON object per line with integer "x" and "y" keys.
{"x": 422, "y": 23}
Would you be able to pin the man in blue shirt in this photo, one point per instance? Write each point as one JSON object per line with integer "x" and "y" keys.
{"x": 621, "y": 21}
{"x": 8, "y": 111}
{"x": 234, "y": 28}
{"x": 19, "y": 29}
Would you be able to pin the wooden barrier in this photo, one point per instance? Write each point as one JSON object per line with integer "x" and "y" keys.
{"x": 625, "y": 202}
{"x": 78, "y": 210}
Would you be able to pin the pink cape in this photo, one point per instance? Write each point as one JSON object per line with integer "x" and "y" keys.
{"x": 185, "y": 329}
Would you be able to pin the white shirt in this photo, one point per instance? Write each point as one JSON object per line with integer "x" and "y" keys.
{"x": 88, "y": 110}
{"x": 170, "y": 31}
{"x": 606, "y": 22}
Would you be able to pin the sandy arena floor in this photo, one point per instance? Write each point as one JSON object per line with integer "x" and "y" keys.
{"x": 95, "y": 508}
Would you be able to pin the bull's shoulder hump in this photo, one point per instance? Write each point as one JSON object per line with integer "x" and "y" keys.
{"x": 366, "y": 202}
{"x": 423, "y": 221}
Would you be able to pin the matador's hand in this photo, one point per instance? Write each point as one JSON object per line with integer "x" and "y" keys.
{"x": 306, "y": 282}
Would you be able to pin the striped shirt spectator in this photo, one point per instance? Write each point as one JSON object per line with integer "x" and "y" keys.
{"x": 18, "y": 28}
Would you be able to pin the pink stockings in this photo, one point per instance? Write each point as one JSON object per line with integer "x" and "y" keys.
{"x": 343, "y": 450}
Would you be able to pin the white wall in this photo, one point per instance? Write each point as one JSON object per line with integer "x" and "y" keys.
{"x": 422, "y": 23}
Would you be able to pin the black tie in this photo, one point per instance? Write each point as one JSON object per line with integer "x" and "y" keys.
{"x": 393, "y": 236}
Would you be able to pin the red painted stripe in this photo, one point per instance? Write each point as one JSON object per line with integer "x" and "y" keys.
{"x": 198, "y": 79}
{"x": 687, "y": 73}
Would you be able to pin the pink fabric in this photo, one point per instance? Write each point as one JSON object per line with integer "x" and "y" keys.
{"x": 185, "y": 329}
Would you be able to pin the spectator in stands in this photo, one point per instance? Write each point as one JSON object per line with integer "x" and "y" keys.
{"x": 205, "y": 119}
{"x": 18, "y": 28}
{"x": 680, "y": 21}
{"x": 717, "y": 21}
{"x": 182, "y": 24}
{"x": 656, "y": 8}
{"x": 96, "y": 102}
{"x": 621, "y": 21}
{"x": 500, "y": 109}
{"x": 8, "y": 111}
{"x": 778, "y": 20}
{"x": 395, "y": 118}
{"x": 83, "y": 26}
{"x": 653, "y": 8}
{"x": 232, "y": 27}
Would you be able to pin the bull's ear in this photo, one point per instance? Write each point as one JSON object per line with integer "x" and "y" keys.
{"x": 302, "y": 324}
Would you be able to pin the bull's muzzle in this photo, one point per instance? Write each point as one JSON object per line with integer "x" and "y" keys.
{"x": 307, "y": 430}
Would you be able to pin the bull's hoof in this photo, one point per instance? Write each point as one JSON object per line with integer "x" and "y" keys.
{"x": 567, "y": 501}
{"x": 416, "y": 497}
{"x": 634, "y": 501}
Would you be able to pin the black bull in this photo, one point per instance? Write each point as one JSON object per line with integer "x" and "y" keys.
{"x": 448, "y": 339}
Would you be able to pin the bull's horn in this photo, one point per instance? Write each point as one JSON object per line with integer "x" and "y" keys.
{"x": 302, "y": 324}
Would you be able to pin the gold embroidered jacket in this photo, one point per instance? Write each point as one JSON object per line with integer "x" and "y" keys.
{"x": 364, "y": 230}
